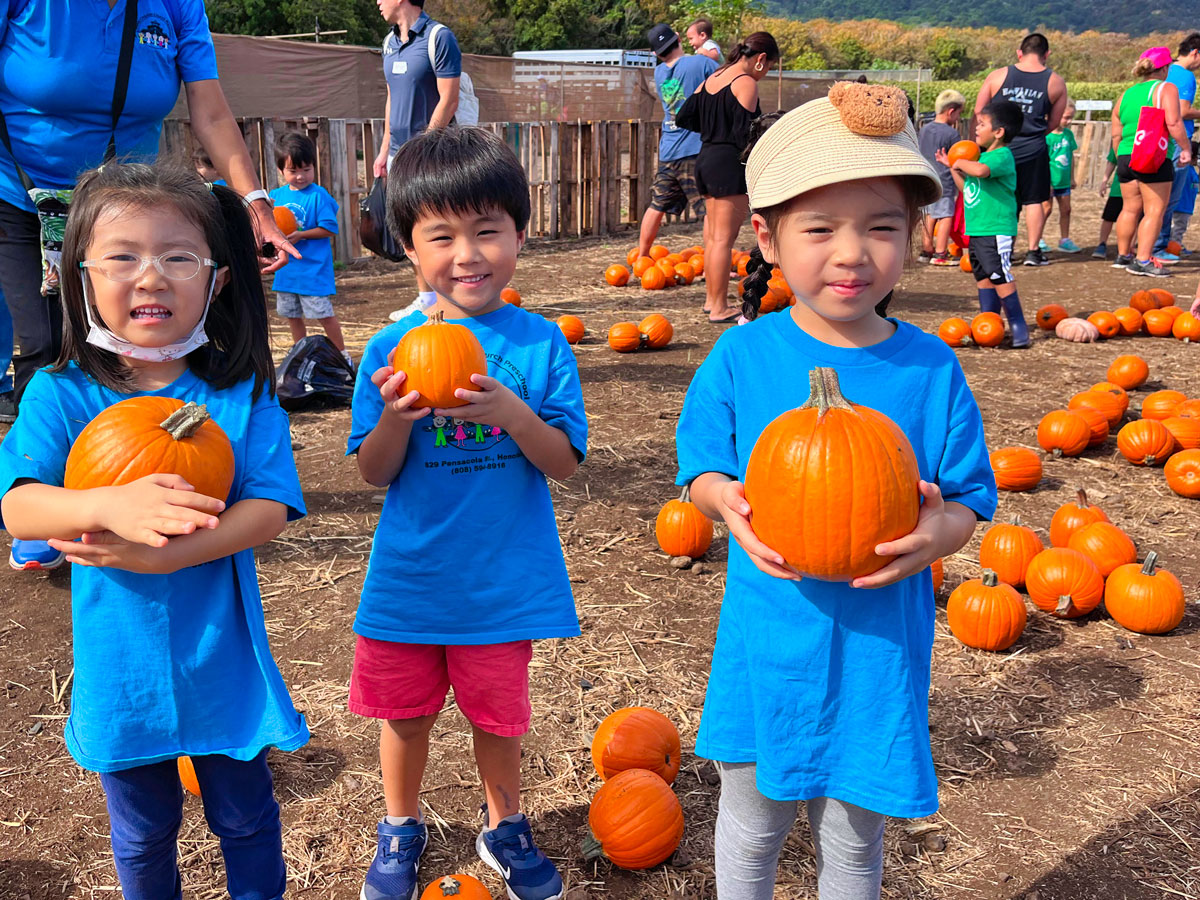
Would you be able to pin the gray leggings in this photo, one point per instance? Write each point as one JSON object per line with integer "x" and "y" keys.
{"x": 751, "y": 830}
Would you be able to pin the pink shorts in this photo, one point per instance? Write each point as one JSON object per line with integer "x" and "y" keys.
{"x": 405, "y": 681}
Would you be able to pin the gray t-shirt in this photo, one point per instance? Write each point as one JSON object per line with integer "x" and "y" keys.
{"x": 937, "y": 135}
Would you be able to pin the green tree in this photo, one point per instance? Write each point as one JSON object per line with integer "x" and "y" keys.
{"x": 948, "y": 57}
{"x": 850, "y": 53}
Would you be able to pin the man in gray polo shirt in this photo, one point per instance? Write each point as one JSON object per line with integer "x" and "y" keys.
{"x": 420, "y": 96}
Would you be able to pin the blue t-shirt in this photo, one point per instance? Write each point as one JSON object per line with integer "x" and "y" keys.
{"x": 467, "y": 548}
{"x": 1187, "y": 197}
{"x": 167, "y": 665}
{"x": 1185, "y": 82}
{"x": 824, "y": 686}
{"x": 675, "y": 83}
{"x": 58, "y": 66}
{"x": 311, "y": 276}
{"x": 412, "y": 81}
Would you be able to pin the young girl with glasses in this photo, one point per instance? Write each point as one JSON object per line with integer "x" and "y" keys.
{"x": 162, "y": 298}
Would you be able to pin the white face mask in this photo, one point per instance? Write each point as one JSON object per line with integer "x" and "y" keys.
{"x": 99, "y": 336}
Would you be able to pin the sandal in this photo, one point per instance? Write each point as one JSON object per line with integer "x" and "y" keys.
{"x": 728, "y": 320}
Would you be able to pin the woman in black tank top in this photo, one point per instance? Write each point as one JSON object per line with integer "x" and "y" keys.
{"x": 721, "y": 111}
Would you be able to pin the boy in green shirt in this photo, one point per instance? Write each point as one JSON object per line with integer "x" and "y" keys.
{"x": 1062, "y": 146}
{"x": 989, "y": 187}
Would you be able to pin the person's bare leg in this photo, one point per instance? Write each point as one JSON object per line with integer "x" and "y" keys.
{"x": 403, "y": 752}
{"x": 651, "y": 222}
{"x": 1105, "y": 230}
{"x": 1064, "y": 217}
{"x": 499, "y": 762}
{"x": 928, "y": 228}
{"x": 296, "y": 327}
{"x": 1154, "y": 204}
{"x": 333, "y": 330}
{"x": 728, "y": 214}
{"x": 1131, "y": 211}
{"x": 941, "y": 235}
{"x": 1035, "y": 221}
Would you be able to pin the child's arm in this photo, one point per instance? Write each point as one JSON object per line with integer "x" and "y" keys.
{"x": 944, "y": 158}
{"x": 722, "y": 499}
{"x": 382, "y": 452}
{"x": 310, "y": 234}
{"x": 971, "y": 167}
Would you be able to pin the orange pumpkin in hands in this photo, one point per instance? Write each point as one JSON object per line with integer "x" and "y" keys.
{"x": 617, "y": 276}
{"x": 635, "y": 820}
{"x": 1049, "y": 316}
{"x": 285, "y": 219}
{"x": 985, "y": 613}
{"x": 681, "y": 529}
{"x": 964, "y": 264}
{"x": 829, "y": 481}
{"x": 1144, "y": 599}
{"x": 968, "y": 150}
{"x": 437, "y": 359}
{"x": 152, "y": 436}
{"x": 1016, "y": 468}
{"x": 987, "y": 329}
{"x": 636, "y": 738}
{"x": 1070, "y": 517}
{"x": 1064, "y": 583}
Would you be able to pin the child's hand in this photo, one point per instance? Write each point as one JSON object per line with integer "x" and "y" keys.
{"x": 153, "y": 508}
{"x": 106, "y": 549}
{"x": 916, "y": 550}
{"x": 389, "y": 381}
{"x": 493, "y": 404}
{"x": 294, "y": 236}
{"x": 942, "y": 156}
{"x": 736, "y": 513}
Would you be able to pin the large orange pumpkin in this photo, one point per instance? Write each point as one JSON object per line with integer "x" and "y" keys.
{"x": 1064, "y": 583}
{"x": 987, "y": 329}
{"x": 1162, "y": 297}
{"x": 285, "y": 219}
{"x": 653, "y": 279}
{"x": 1008, "y": 549}
{"x": 1106, "y": 545}
{"x": 681, "y": 529}
{"x": 1144, "y": 599}
{"x": 1106, "y": 323}
{"x": 968, "y": 150}
{"x": 572, "y": 328}
{"x": 1185, "y": 430}
{"x": 1162, "y": 404}
{"x": 617, "y": 276}
{"x": 1016, "y": 468}
{"x": 1070, "y": 517}
{"x": 656, "y": 330}
{"x": 1189, "y": 408}
{"x": 1143, "y": 301}
{"x": 985, "y": 613}
{"x": 1130, "y": 319}
{"x": 1063, "y": 433}
{"x": 1097, "y": 422}
{"x": 636, "y": 738}
{"x": 955, "y": 331}
{"x": 458, "y": 886}
{"x": 1115, "y": 389}
{"x": 1128, "y": 371}
{"x": 635, "y": 820}
{"x": 152, "y": 436}
{"x": 624, "y": 337}
{"x": 1049, "y": 316}
{"x": 1157, "y": 323}
{"x": 829, "y": 481}
{"x": 1107, "y": 404}
{"x": 1145, "y": 442}
{"x": 1186, "y": 327}
{"x": 187, "y": 775}
{"x": 1183, "y": 474}
{"x": 437, "y": 359}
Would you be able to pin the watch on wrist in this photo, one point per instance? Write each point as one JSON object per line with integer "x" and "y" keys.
{"x": 260, "y": 194}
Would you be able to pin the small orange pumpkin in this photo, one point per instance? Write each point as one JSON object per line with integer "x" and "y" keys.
{"x": 1173, "y": 311}
{"x": 438, "y": 358}
{"x": 1096, "y": 422}
{"x": 968, "y": 150}
{"x": 1145, "y": 442}
{"x": 1162, "y": 297}
{"x": 667, "y": 267}
{"x": 1157, "y": 323}
{"x": 1130, "y": 319}
{"x": 511, "y": 295}
{"x": 1143, "y": 301}
{"x": 987, "y": 329}
{"x": 1064, "y": 583}
{"x": 636, "y": 738}
{"x": 1008, "y": 549}
{"x": 1016, "y": 468}
{"x": 617, "y": 276}
{"x": 187, "y": 770}
{"x": 658, "y": 251}
{"x": 1128, "y": 371}
{"x": 684, "y": 273}
{"x": 1185, "y": 430}
{"x": 1144, "y": 599}
{"x": 1109, "y": 405}
{"x": 1106, "y": 545}
{"x": 624, "y": 337}
{"x": 1162, "y": 404}
{"x": 674, "y": 258}
{"x": 1070, "y": 517}
{"x": 955, "y": 331}
{"x": 1063, "y": 433}
{"x": 1106, "y": 323}
{"x": 1183, "y": 474}
{"x": 653, "y": 279}
{"x": 635, "y": 820}
{"x": 1186, "y": 327}
{"x": 458, "y": 886}
{"x": 697, "y": 264}
{"x": 1115, "y": 389}
{"x": 572, "y": 328}
{"x": 681, "y": 529}
{"x": 964, "y": 264}
{"x": 1049, "y": 316}
{"x": 632, "y": 256}
{"x": 285, "y": 219}
{"x": 641, "y": 265}
{"x": 656, "y": 330}
{"x": 985, "y": 613}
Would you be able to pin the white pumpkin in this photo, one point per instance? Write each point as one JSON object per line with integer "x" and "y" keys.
{"x": 1079, "y": 330}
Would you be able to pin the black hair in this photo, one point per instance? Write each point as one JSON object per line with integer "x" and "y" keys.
{"x": 297, "y": 147}
{"x": 1035, "y": 43}
{"x": 1007, "y": 115}
{"x": 238, "y": 336}
{"x": 457, "y": 170}
{"x": 753, "y": 45}
{"x": 703, "y": 26}
{"x": 1189, "y": 43}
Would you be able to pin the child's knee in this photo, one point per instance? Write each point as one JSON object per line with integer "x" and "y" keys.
{"x": 411, "y": 729}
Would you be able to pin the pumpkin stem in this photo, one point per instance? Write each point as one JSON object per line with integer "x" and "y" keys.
{"x": 825, "y": 392}
{"x": 1081, "y": 499}
{"x": 1015, "y": 520}
{"x": 438, "y": 318}
{"x": 685, "y": 496}
{"x": 451, "y": 887}
{"x": 185, "y": 421}
{"x": 1056, "y": 453}
{"x": 592, "y": 848}
{"x": 1064, "y": 605}
{"x": 990, "y": 578}
{"x": 1150, "y": 563}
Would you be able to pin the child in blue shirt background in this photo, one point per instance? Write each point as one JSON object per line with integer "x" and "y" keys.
{"x": 162, "y": 297}
{"x": 437, "y": 612}
{"x": 819, "y": 690}
{"x": 304, "y": 287}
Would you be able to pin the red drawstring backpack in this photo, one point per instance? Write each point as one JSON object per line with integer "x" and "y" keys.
{"x": 1151, "y": 141}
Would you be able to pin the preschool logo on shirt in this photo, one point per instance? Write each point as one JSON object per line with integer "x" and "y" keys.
{"x": 970, "y": 193}
{"x": 152, "y": 32}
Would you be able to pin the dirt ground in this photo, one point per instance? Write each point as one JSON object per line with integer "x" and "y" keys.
{"x": 1068, "y": 765}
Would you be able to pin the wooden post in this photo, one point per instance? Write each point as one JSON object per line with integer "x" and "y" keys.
{"x": 270, "y": 176}
{"x": 339, "y": 186}
{"x": 552, "y": 175}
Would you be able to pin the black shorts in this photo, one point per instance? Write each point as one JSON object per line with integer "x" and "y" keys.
{"x": 1165, "y": 173}
{"x": 1033, "y": 180}
{"x": 1112, "y": 209}
{"x": 675, "y": 187}
{"x": 719, "y": 171}
{"x": 991, "y": 258}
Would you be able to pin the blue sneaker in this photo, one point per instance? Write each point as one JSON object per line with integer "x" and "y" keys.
{"x": 509, "y": 849}
{"x": 1043, "y": 246}
{"x": 393, "y": 872}
{"x": 1167, "y": 259}
{"x": 34, "y": 555}
{"x": 1066, "y": 245}
{"x": 1101, "y": 252}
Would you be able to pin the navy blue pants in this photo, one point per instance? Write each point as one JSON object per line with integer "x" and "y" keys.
{"x": 145, "y": 806}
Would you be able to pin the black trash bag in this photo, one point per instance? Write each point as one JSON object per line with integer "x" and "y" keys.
{"x": 372, "y": 228}
{"x": 314, "y": 373}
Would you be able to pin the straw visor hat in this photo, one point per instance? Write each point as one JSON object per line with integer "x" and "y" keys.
{"x": 858, "y": 131}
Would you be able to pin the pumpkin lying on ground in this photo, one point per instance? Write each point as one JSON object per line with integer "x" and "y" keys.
{"x": 1146, "y": 442}
{"x": 617, "y": 276}
{"x": 624, "y": 337}
{"x": 636, "y": 738}
{"x": 635, "y": 820}
{"x": 1063, "y": 433}
{"x": 437, "y": 359}
{"x": 1070, "y": 517}
{"x": 1162, "y": 404}
{"x": 1143, "y": 301}
{"x": 829, "y": 481}
{"x": 1128, "y": 371}
{"x": 1049, "y": 316}
{"x": 1096, "y": 422}
{"x": 987, "y": 329}
{"x": 986, "y": 613}
{"x": 1108, "y": 387}
{"x": 1016, "y": 468}
{"x": 1157, "y": 323}
{"x": 1185, "y": 430}
{"x": 1106, "y": 323}
{"x": 955, "y": 331}
{"x": 1008, "y": 549}
{"x": 681, "y": 529}
{"x": 1183, "y": 474}
{"x": 1064, "y": 583}
{"x": 458, "y": 886}
{"x": 1130, "y": 319}
{"x": 937, "y": 571}
{"x": 1102, "y": 401}
{"x": 152, "y": 436}
{"x": 1143, "y": 598}
{"x": 572, "y": 328}
{"x": 1106, "y": 545}
{"x": 1078, "y": 330}
{"x": 1186, "y": 328}
{"x": 656, "y": 330}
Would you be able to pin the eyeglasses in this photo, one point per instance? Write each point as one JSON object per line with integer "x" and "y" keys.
{"x": 176, "y": 265}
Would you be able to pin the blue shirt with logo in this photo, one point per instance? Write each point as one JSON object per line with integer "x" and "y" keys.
{"x": 311, "y": 276}
{"x": 467, "y": 548}
{"x": 179, "y": 664}
{"x": 676, "y": 82}
{"x": 824, "y": 686}
{"x": 412, "y": 81}
{"x": 1185, "y": 82}
{"x": 58, "y": 67}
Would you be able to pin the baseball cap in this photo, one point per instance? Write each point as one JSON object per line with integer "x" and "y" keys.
{"x": 1158, "y": 56}
{"x": 662, "y": 38}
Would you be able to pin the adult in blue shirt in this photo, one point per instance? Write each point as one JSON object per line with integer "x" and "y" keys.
{"x": 422, "y": 93}
{"x": 676, "y": 78}
{"x": 1182, "y": 75}
{"x": 59, "y": 120}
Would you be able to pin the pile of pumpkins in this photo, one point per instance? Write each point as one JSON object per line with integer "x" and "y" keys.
{"x": 635, "y": 818}
{"x": 1152, "y": 312}
{"x": 659, "y": 270}
{"x": 653, "y": 333}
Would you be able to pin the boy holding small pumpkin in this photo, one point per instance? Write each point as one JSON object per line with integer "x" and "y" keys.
{"x": 437, "y": 612}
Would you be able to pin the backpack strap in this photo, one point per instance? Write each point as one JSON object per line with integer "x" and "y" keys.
{"x": 438, "y": 27}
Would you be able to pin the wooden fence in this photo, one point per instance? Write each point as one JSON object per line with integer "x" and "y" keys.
{"x": 585, "y": 178}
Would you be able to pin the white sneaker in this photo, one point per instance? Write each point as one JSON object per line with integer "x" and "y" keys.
{"x": 349, "y": 361}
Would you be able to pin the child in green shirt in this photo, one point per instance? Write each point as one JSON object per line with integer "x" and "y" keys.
{"x": 1062, "y": 146}
{"x": 989, "y": 187}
